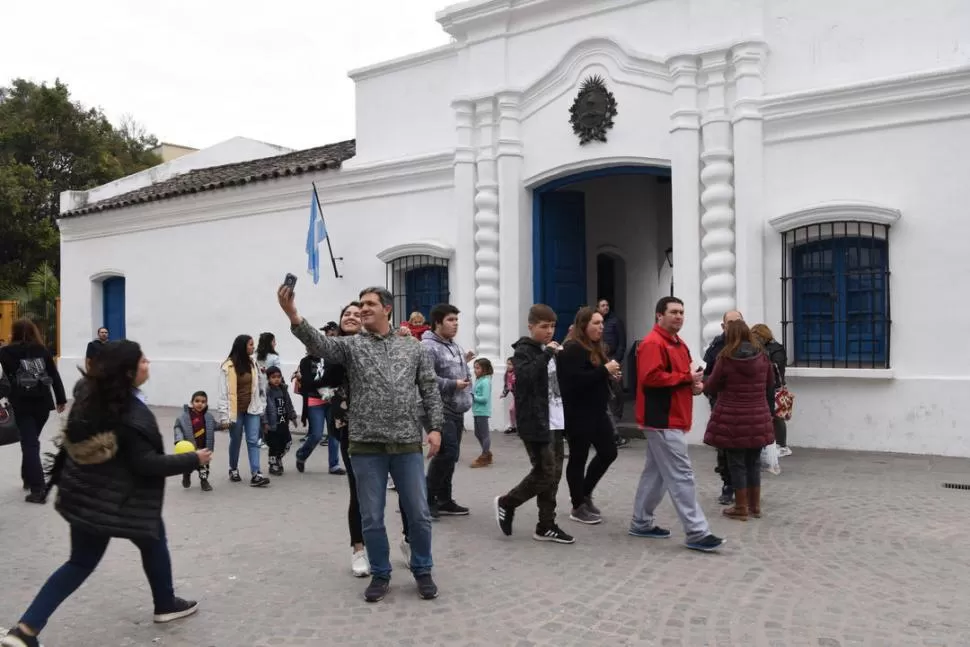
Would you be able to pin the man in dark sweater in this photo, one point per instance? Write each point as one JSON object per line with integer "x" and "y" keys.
{"x": 710, "y": 357}
{"x": 94, "y": 347}
{"x": 614, "y": 337}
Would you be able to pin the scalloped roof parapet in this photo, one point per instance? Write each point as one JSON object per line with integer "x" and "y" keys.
{"x": 826, "y": 212}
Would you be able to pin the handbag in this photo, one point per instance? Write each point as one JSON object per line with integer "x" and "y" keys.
{"x": 9, "y": 433}
{"x": 784, "y": 399}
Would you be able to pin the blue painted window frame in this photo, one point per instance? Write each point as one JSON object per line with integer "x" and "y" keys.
{"x": 402, "y": 279}
{"x": 843, "y": 284}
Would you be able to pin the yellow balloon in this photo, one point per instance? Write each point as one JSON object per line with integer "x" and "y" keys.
{"x": 184, "y": 447}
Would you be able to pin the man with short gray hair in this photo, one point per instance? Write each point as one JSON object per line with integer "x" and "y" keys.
{"x": 385, "y": 432}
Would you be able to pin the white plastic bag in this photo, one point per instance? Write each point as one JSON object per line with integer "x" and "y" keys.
{"x": 769, "y": 459}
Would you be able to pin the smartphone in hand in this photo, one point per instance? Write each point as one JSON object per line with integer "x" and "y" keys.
{"x": 289, "y": 281}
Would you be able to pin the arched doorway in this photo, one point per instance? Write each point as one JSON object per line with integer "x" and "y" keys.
{"x": 626, "y": 208}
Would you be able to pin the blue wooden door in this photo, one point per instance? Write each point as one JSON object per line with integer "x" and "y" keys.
{"x": 425, "y": 288}
{"x": 113, "y": 306}
{"x": 562, "y": 255}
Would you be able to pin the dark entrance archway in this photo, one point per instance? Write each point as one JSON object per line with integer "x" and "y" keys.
{"x": 559, "y": 249}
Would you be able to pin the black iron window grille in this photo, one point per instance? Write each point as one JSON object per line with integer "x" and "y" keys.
{"x": 418, "y": 283}
{"x": 835, "y": 295}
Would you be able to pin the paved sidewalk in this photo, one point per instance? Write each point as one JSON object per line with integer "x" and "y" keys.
{"x": 854, "y": 549}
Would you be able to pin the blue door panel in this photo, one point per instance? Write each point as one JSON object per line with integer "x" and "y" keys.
{"x": 562, "y": 255}
{"x": 113, "y": 307}
{"x": 425, "y": 287}
{"x": 839, "y": 299}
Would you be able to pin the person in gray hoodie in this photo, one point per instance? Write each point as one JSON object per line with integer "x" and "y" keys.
{"x": 385, "y": 432}
{"x": 455, "y": 384}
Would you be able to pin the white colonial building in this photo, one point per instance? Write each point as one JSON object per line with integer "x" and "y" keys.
{"x": 773, "y": 151}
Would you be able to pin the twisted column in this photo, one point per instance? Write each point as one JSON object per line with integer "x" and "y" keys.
{"x": 487, "y": 313}
{"x": 719, "y": 284}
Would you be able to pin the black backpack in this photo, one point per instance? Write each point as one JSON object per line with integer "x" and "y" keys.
{"x": 31, "y": 379}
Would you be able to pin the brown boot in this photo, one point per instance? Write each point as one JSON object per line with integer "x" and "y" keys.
{"x": 481, "y": 461}
{"x": 754, "y": 501}
{"x": 739, "y": 510}
{"x": 488, "y": 458}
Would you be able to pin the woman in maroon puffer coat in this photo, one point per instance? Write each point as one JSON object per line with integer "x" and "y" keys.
{"x": 740, "y": 423}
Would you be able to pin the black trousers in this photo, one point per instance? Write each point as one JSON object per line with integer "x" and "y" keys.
{"x": 722, "y": 468}
{"x": 278, "y": 439}
{"x": 353, "y": 510}
{"x": 581, "y": 479}
{"x": 31, "y": 423}
{"x": 441, "y": 469}
{"x": 745, "y": 467}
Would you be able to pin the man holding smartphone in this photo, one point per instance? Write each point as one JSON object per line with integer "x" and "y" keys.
{"x": 386, "y": 434}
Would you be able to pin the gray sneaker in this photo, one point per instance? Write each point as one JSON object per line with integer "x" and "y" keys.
{"x": 583, "y": 514}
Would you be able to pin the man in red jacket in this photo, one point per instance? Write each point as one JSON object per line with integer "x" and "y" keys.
{"x": 668, "y": 382}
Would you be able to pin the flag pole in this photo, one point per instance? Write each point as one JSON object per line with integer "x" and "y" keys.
{"x": 316, "y": 196}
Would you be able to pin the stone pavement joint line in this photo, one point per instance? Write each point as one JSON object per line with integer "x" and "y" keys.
{"x": 854, "y": 549}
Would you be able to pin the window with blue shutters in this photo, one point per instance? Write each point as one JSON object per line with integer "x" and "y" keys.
{"x": 418, "y": 283}
{"x": 836, "y": 295}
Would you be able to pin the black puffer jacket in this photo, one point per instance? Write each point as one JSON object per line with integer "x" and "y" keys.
{"x": 112, "y": 481}
{"x": 531, "y": 365}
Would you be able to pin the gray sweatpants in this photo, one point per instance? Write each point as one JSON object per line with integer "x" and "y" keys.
{"x": 668, "y": 469}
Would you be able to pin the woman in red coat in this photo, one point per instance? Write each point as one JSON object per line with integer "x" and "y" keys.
{"x": 740, "y": 423}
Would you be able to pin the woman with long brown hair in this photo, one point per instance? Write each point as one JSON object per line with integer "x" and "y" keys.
{"x": 740, "y": 423}
{"x": 585, "y": 374}
{"x": 32, "y": 372}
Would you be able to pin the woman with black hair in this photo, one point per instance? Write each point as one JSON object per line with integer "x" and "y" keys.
{"x": 110, "y": 473}
{"x": 266, "y": 355}
{"x": 242, "y": 406}
{"x": 32, "y": 372}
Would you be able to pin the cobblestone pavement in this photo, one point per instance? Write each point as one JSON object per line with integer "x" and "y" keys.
{"x": 854, "y": 549}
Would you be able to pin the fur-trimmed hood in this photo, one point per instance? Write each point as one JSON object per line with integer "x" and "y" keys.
{"x": 92, "y": 450}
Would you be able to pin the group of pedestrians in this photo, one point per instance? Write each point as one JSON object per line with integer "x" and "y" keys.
{"x": 388, "y": 396}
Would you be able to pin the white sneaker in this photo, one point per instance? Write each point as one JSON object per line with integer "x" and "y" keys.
{"x": 783, "y": 451}
{"x": 360, "y": 564}
{"x": 406, "y": 553}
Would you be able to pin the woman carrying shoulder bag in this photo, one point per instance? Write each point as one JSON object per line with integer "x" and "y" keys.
{"x": 32, "y": 373}
{"x": 110, "y": 473}
{"x": 740, "y": 423}
{"x": 779, "y": 358}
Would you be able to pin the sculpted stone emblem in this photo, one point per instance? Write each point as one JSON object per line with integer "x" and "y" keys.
{"x": 593, "y": 110}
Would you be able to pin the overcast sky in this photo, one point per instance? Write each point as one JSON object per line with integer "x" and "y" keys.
{"x": 197, "y": 72}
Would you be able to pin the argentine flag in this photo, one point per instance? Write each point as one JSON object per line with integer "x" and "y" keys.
{"x": 316, "y": 234}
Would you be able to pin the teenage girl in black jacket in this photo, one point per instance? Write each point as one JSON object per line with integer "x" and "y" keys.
{"x": 110, "y": 473}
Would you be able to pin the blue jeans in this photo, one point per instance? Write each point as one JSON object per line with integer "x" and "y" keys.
{"x": 249, "y": 423}
{"x": 317, "y": 418}
{"x": 407, "y": 470}
{"x": 86, "y": 552}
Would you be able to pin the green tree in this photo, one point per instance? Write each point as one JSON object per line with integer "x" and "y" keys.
{"x": 50, "y": 144}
